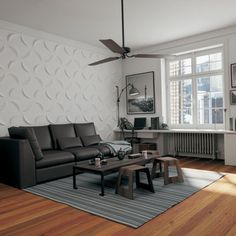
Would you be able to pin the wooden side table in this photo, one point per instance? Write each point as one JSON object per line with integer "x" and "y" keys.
{"x": 167, "y": 162}
{"x": 129, "y": 171}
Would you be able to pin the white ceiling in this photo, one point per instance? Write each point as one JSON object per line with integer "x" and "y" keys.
{"x": 147, "y": 22}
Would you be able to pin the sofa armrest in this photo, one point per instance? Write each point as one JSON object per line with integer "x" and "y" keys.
{"x": 17, "y": 163}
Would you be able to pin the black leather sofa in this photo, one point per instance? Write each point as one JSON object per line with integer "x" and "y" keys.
{"x": 32, "y": 155}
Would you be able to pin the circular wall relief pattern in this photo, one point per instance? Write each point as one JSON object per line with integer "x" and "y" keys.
{"x": 16, "y": 120}
{"x": 2, "y": 73}
{"x": 18, "y": 44}
{"x": 2, "y": 45}
{"x": 42, "y": 82}
{"x": 39, "y": 120}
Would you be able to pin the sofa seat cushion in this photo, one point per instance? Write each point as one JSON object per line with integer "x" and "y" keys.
{"x": 52, "y": 158}
{"x": 84, "y": 153}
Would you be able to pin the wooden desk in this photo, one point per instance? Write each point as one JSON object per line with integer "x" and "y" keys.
{"x": 225, "y": 141}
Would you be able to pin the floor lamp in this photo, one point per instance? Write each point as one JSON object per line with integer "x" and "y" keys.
{"x": 132, "y": 92}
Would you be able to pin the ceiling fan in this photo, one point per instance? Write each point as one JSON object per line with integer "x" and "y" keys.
{"x": 124, "y": 51}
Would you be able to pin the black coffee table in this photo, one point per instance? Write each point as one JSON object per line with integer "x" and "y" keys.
{"x": 113, "y": 165}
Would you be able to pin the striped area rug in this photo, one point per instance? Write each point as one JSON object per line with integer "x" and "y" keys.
{"x": 134, "y": 213}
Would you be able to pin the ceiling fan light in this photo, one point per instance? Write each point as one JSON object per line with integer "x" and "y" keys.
{"x": 133, "y": 91}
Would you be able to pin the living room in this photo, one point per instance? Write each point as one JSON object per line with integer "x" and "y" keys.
{"x": 46, "y": 80}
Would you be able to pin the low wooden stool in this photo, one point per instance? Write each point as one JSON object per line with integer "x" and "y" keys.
{"x": 129, "y": 172}
{"x": 167, "y": 161}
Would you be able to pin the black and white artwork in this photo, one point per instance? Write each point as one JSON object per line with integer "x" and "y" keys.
{"x": 233, "y": 75}
{"x": 233, "y": 97}
{"x": 144, "y": 102}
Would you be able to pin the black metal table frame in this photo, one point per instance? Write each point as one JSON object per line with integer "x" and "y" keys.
{"x": 98, "y": 171}
{"x": 77, "y": 169}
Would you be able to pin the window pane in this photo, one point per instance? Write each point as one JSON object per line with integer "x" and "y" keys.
{"x": 203, "y": 72}
{"x": 217, "y": 116}
{"x": 174, "y": 68}
{"x": 202, "y": 63}
{"x": 203, "y": 84}
{"x": 204, "y": 116}
{"x": 217, "y": 65}
{"x": 186, "y": 66}
{"x": 182, "y": 67}
{"x": 209, "y": 62}
{"x": 217, "y": 100}
{"x": 181, "y": 102}
{"x": 209, "y": 97}
{"x": 216, "y": 83}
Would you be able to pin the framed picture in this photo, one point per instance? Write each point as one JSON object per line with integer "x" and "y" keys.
{"x": 233, "y": 75}
{"x": 144, "y": 101}
{"x": 233, "y": 97}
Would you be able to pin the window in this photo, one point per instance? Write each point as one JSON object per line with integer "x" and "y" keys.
{"x": 196, "y": 96}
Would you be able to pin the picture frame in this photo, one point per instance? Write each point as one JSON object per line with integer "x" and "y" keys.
{"x": 144, "y": 102}
{"x": 233, "y": 97}
{"x": 233, "y": 75}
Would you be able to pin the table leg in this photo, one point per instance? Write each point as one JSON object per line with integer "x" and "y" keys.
{"x": 74, "y": 178}
{"x": 102, "y": 185}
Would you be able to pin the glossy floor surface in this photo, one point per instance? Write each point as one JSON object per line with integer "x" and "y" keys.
{"x": 211, "y": 211}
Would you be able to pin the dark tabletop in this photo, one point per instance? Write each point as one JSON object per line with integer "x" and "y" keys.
{"x": 114, "y": 163}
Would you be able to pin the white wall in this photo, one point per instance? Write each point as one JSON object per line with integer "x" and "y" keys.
{"x": 226, "y": 36}
{"x": 134, "y": 66}
{"x": 46, "y": 79}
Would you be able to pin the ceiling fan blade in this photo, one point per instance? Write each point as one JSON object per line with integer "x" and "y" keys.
{"x": 168, "y": 56}
{"x": 104, "y": 61}
{"x": 112, "y": 45}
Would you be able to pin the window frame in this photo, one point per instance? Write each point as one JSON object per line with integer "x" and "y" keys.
{"x": 193, "y": 76}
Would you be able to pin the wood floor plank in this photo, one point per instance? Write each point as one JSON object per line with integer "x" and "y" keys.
{"x": 210, "y": 211}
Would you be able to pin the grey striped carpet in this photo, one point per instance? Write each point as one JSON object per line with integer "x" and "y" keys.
{"x": 134, "y": 213}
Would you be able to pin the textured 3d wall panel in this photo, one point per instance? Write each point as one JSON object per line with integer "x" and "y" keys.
{"x": 42, "y": 82}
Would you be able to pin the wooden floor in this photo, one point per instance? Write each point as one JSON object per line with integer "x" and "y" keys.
{"x": 211, "y": 211}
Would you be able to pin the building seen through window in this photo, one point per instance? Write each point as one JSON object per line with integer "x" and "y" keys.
{"x": 196, "y": 88}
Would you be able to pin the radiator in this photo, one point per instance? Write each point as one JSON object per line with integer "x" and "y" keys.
{"x": 194, "y": 144}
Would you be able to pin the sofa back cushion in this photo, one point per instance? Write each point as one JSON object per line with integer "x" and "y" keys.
{"x": 27, "y": 133}
{"x": 91, "y": 140}
{"x": 44, "y": 137}
{"x": 69, "y": 142}
{"x": 61, "y": 131}
{"x": 85, "y": 129}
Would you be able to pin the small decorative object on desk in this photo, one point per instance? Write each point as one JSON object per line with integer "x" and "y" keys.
{"x": 98, "y": 162}
{"x": 164, "y": 126}
{"x": 153, "y": 152}
{"x": 121, "y": 154}
{"x": 135, "y": 155}
{"x": 103, "y": 162}
{"x": 144, "y": 154}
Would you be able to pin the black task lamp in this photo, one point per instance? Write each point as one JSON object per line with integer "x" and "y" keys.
{"x": 132, "y": 92}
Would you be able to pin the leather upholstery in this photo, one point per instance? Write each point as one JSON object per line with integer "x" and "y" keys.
{"x": 84, "y": 153}
{"x": 17, "y": 166}
{"x": 91, "y": 140}
{"x": 61, "y": 131}
{"x": 85, "y": 129}
{"x": 54, "y": 172}
{"x": 54, "y": 157}
{"x": 65, "y": 143}
{"x": 27, "y": 133}
{"x": 44, "y": 137}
